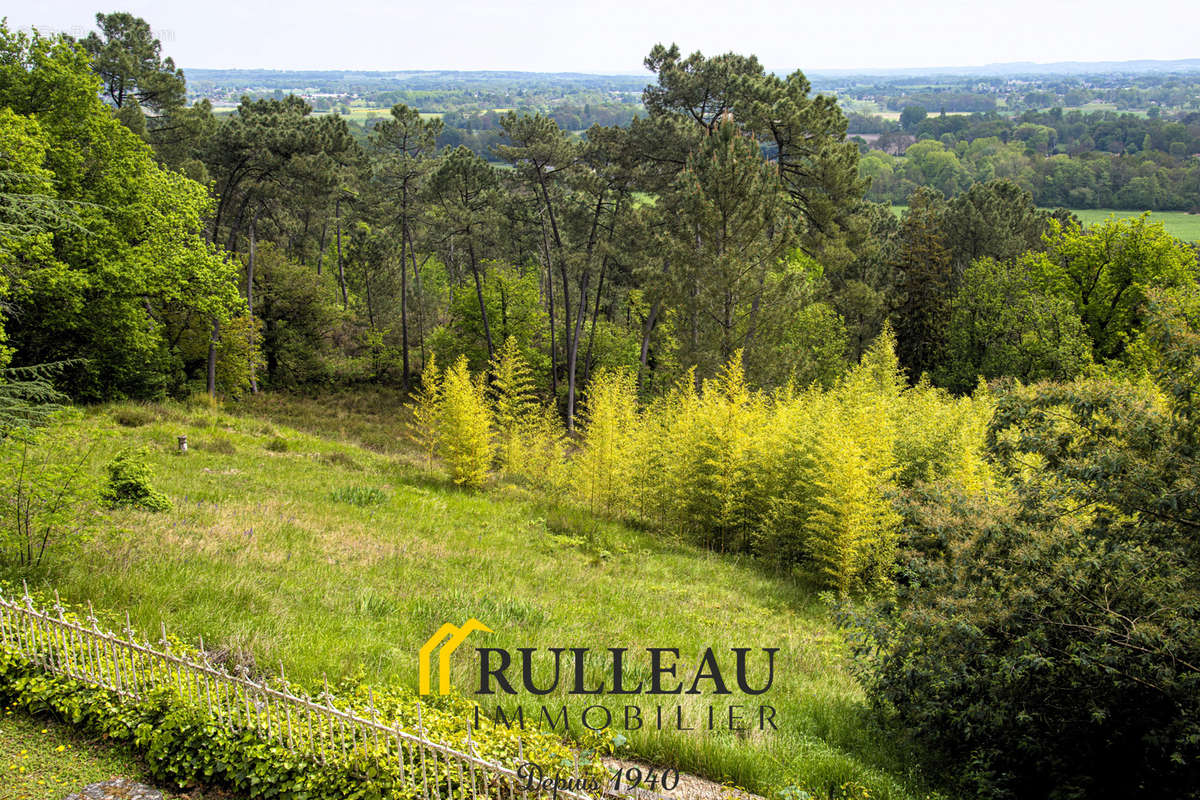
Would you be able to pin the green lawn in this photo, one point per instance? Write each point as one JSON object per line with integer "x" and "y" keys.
{"x": 1179, "y": 224}
{"x": 257, "y": 556}
{"x": 45, "y": 760}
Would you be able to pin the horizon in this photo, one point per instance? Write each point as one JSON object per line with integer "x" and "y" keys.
{"x": 468, "y": 36}
{"x": 999, "y": 68}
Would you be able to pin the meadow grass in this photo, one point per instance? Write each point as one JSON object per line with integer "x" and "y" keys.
{"x": 335, "y": 553}
{"x": 1179, "y": 224}
{"x": 41, "y": 759}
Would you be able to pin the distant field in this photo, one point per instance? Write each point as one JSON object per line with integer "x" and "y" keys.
{"x": 1179, "y": 224}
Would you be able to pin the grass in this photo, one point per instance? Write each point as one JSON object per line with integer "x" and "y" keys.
{"x": 259, "y": 557}
{"x": 45, "y": 760}
{"x": 1179, "y": 224}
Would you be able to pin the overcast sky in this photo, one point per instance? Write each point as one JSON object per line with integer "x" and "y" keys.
{"x": 614, "y": 36}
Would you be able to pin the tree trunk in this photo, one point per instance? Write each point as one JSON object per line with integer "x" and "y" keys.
{"x": 420, "y": 299}
{"x": 647, "y": 329}
{"x": 404, "y": 293}
{"x": 487, "y": 331}
{"x": 341, "y": 270}
{"x": 550, "y": 298}
{"x": 587, "y": 358}
{"x": 321, "y": 251}
{"x": 250, "y": 306}
{"x": 573, "y": 351}
{"x": 213, "y": 341}
{"x": 562, "y": 262}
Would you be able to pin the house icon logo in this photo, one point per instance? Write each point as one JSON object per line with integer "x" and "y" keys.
{"x": 458, "y": 635}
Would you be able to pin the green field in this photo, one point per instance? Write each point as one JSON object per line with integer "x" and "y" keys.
{"x": 1179, "y": 224}
{"x": 259, "y": 558}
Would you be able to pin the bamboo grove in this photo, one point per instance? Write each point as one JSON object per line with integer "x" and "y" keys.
{"x": 804, "y": 478}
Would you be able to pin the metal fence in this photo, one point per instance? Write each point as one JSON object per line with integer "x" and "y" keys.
{"x": 317, "y": 727}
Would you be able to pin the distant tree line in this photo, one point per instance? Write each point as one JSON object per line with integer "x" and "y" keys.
{"x": 1076, "y": 160}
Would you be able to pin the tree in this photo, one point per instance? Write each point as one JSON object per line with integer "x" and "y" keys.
{"x": 923, "y": 283}
{"x": 465, "y": 432}
{"x": 1002, "y": 325}
{"x": 1106, "y": 271}
{"x": 996, "y": 219}
{"x": 1046, "y": 642}
{"x": 910, "y": 116}
{"x": 404, "y": 146}
{"x": 128, "y": 59}
{"x": 148, "y": 92}
{"x": 129, "y": 276}
{"x": 464, "y": 189}
{"x": 805, "y": 135}
{"x": 728, "y": 231}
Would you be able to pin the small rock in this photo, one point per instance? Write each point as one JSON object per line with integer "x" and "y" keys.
{"x": 116, "y": 789}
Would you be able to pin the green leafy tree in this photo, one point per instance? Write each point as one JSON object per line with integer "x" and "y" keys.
{"x": 1106, "y": 271}
{"x": 1002, "y": 325}
{"x": 728, "y": 232}
{"x": 128, "y": 58}
{"x": 996, "y": 219}
{"x": 464, "y": 190}
{"x": 117, "y": 287}
{"x": 405, "y": 145}
{"x": 817, "y": 166}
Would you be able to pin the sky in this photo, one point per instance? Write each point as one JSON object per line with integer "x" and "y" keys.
{"x": 613, "y": 37}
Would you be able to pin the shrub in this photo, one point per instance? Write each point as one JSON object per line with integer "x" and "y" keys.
{"x": 132, "y": 417}
{"x": 514, "y": 406}
{"x": 184, "y": 747}
{"x": 425, "y": 407}
{"x": 277, "y": 444}
{"x": 610, "y": 415}
{"x": 1045, "y": 642}
{"x": 129, "y": 486}
{"x": 465, "y": 426}
{"x": 44, "y": 493}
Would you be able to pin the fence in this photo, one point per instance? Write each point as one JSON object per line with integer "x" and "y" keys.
{"x": 270, "y": 709}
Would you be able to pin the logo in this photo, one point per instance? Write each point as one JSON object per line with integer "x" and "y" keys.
{"x": 457, "y": 636}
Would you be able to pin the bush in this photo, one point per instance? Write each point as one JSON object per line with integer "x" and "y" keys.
{"x": 183, "y": 746}
{"x": 129, "y": 486}
{"x": 465, "y": 426}
{"x": 1046, "y": 643}
{"x": 44, "y": 492}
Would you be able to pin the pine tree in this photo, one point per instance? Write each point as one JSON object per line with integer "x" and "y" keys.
{"x": 924, "y": 284}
